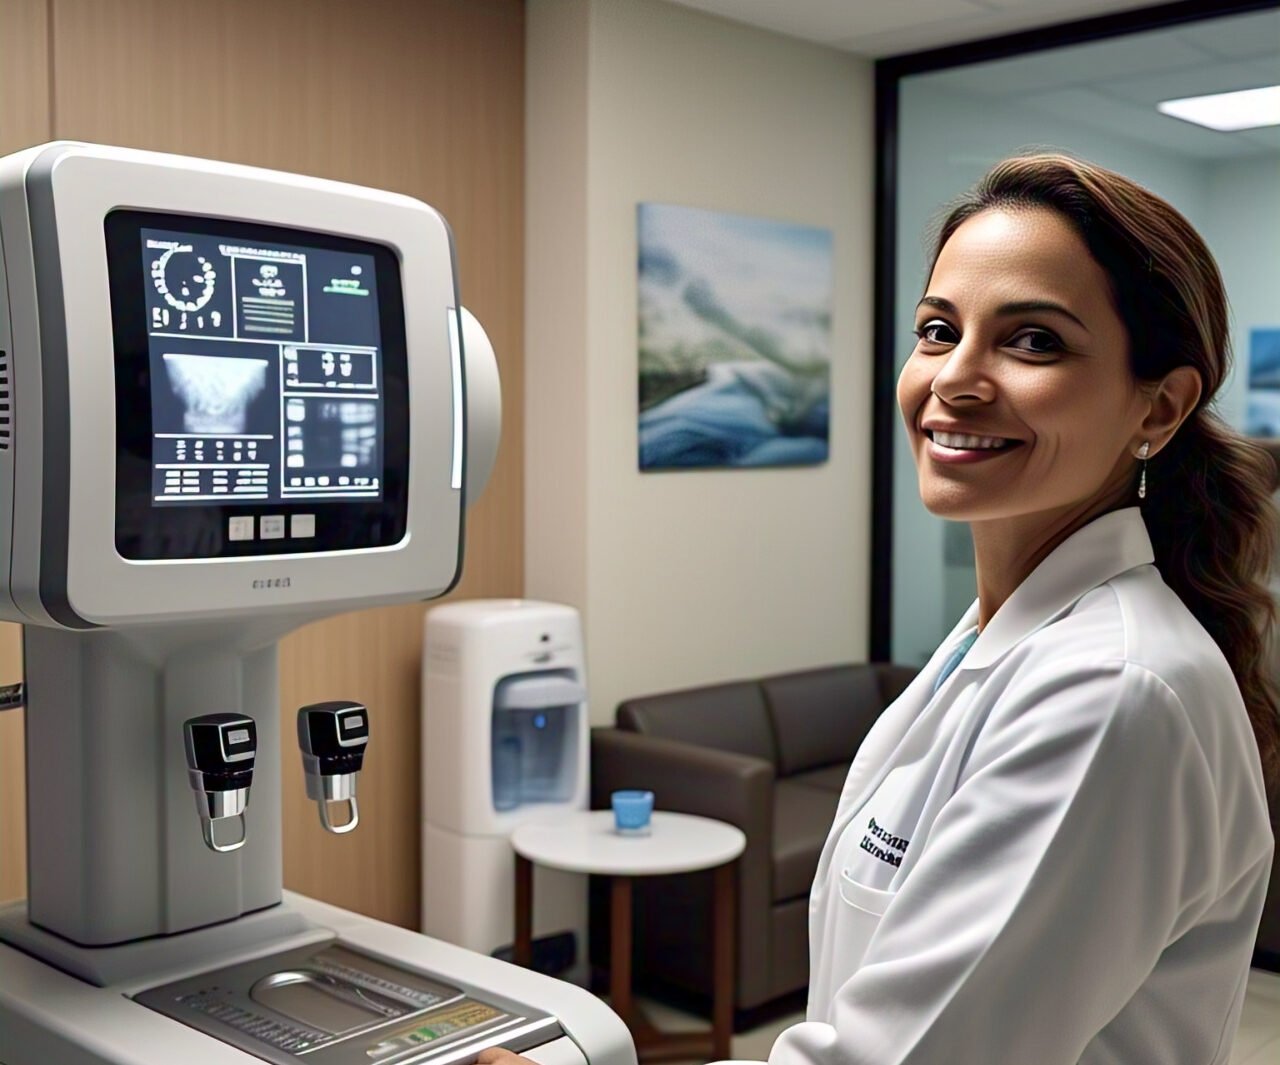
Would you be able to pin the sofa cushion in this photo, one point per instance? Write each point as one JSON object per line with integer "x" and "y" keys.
{"x": 831, "y": 778}
{"x": 802, "y": 818}
{"x": 820, "y": 716}
{"x": 893, "y": 680}
{"x": 726, "y": 717}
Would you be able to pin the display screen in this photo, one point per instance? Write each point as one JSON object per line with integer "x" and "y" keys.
{"x": 266, "y": 370}
{"x": 260, "y": 371}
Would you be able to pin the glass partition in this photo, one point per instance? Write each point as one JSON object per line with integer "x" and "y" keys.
{"x": 1097, "y": 99}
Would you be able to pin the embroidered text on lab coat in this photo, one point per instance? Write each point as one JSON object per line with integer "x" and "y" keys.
{"x": 891, "y": 843}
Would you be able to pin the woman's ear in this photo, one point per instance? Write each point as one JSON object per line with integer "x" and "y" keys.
{"x": 1172, "y": 402}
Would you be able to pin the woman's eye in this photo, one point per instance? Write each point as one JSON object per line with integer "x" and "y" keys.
{"x": 937, "y": 332}
{"x": 1037, "y": 342}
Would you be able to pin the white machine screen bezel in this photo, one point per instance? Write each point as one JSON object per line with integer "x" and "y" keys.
{"x": 103, "y": 587}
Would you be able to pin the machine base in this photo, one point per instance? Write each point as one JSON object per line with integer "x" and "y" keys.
{"x": 47, "y": 1015}
{"x": 128, "y": 963}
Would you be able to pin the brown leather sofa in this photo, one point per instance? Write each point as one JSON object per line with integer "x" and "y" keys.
{"x": 1266, "y": 954}
{"x": 769, "y": 756}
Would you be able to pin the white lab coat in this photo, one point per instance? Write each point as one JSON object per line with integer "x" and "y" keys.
{"x": 1059, "y": 858}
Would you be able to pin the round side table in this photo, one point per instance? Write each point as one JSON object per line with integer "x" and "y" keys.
{"x": 586, "y": 842}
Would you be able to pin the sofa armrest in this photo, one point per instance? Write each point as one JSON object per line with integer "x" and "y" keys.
{"x": 893, "y": 679}
{"x": 685, "y": 778}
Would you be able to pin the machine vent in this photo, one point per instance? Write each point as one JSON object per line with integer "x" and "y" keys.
{"x": 6, "y": 402}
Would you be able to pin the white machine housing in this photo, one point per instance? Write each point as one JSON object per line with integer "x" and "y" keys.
{"x": 124, "y": 895}
{"x": 58, "y": 480}
{"x": 472, "y": 652}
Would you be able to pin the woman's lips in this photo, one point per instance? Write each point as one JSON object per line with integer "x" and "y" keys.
{"x": 953, "y": 456}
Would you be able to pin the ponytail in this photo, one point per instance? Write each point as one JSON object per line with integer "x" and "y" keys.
{"x": 1213, "y": 526}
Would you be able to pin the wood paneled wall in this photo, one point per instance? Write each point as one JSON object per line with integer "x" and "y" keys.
{"x": 424, "y": 97}
{"x": 25, "y": 92}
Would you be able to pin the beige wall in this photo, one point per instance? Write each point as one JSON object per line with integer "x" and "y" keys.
{"x": 424, "y": 97}
{"x": 685, "y": 578}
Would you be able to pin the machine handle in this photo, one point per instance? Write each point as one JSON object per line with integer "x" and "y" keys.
{"x": 221, "y": 749}
{"x": 333, "y": 737}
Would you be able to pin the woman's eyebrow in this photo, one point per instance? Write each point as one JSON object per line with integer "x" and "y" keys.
{"x": 1020, "y": 307}
{"x": 1023, "y": 306}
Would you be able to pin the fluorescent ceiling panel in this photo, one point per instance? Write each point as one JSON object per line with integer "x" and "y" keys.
{"x": 1246, "y": 109}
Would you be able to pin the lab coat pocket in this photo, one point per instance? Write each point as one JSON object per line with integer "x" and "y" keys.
{"x": 860, "y": 910}
{"x": 872, "y": 901}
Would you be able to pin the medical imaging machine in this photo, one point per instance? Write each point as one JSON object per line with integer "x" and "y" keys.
{"x": 231, "y": 401}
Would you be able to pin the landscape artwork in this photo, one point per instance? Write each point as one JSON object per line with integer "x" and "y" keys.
{"x": 1262, "y": 417}
{"x": 734, "y": 340}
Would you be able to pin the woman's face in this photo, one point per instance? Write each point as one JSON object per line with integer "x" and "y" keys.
{"x": 1019, "y": 341}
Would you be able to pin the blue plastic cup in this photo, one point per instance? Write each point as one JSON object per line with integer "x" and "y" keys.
{"x": 631, "y": 812}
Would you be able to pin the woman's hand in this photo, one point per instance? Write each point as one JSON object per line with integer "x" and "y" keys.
{"x": 501, "y": 1056}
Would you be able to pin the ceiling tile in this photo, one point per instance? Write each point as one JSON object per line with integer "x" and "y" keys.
{"x": 829, "y": 21}
{"x": 1140, "y": 123}
{"x": 994, "y": 22}
{"x": 881, "y": 27}
{"x": 1198, "y": 80}
{"x": 1073, "y": 9}
{"x": 1238, "y": 36}
{"x": 1267, "y": 138}
{"x": 1083, "y": 64}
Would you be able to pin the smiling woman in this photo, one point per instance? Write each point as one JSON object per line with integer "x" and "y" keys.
{"x": 1094, "y": 91}
{"x": 1075, "y": 780}
{"x": 1088, "y": 315}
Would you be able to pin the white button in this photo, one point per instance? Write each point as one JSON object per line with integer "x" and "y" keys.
{"x": 302, "y": 525}
{"x": 272, "y": 527}
{"x": 240, "y": 528}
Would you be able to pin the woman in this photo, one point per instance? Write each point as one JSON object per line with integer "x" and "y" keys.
{"x": 1061, "y": 854}
{"x": 1054, "y": 846}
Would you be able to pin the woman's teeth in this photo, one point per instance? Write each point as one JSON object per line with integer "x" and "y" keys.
{"x": 957, "y": 442}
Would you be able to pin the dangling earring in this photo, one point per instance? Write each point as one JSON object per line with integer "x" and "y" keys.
{"x": 1142, "y": 483}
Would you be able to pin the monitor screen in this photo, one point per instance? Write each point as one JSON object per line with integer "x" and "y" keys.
{"x": 266, "y": 370}
{"x": 261, "y": 382}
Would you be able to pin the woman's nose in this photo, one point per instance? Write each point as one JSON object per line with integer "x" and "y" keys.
{"x": 964, "y": 374}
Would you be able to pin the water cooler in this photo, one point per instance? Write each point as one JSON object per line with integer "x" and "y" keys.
{"x": 504, "y": 741}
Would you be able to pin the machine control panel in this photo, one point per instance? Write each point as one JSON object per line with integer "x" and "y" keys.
{"x": 332, "y": 1005}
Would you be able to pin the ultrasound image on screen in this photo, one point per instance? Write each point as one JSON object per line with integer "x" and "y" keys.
{"x": 266, "y": 371}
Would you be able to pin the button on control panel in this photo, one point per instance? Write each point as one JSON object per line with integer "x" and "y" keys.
{"x": 240, "y": 528}
{"x": 272, "y": 527}
{"x": 302, "y": 526}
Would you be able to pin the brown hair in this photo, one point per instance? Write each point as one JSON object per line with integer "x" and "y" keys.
{"x": 1208, "y": 509}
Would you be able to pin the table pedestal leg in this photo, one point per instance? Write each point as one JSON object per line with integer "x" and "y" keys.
{"x": 620, "y": 950}
{"x": 653, "y": 1045}
{"x": 524, "y": 912}
{"x": 723, "y": 978}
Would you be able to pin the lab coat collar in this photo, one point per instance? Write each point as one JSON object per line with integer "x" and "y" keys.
{"x": 1095, "y": 553}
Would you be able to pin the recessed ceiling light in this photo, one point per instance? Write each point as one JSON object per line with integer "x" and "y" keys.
{"x": 1247, "y": 109}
